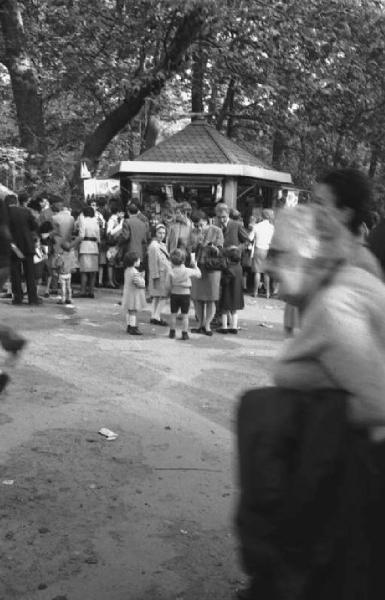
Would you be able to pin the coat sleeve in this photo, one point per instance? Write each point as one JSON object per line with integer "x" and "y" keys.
{"x": 243, "y": 236}
{"x": 353, "y": 358}
{"x": 153, "y": 262}
{"x": 126, "y": 230}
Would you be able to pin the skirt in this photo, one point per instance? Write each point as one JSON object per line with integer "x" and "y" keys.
{"x": 259, "y": 259}
{"x": 206, "y": 289}
{"x": 88, "y": 263}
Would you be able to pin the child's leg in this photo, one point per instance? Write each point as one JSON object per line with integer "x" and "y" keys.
{"x": 173, "y": 321}
{"x": 224, "y": 320}
{"x": 155, "y": 309}
{"x": 185, "y": 307}
{"x": 62, "y": 286}
{"x": 266, "y": 279}
{"x": 132, "y": 318}
{"x": 100, "y": 275}
{"x": 161, "y": 306}
{"x": 184, "y": 322}
{"x": 69, "y": 288}
{"x": 234, "y": 319}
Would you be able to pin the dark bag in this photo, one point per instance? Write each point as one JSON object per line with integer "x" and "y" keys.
{"x": 210, "y": 258}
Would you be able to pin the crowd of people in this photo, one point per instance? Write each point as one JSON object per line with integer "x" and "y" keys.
{"x": 111, "y": 247}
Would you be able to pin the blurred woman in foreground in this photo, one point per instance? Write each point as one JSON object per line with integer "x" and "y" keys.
{"x": 315, "y": 444}
{"x": 341, "y": 343}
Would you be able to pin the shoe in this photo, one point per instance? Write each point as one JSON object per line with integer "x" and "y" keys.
{"x": 79, "y": 295}
{"x": 222, "y": 330}
{"x": 111, "y": 286}
{"x": 158, "y": 322}
{"x": 60, "y": 301}
{"x": 135, "y": 331}
{"x": 90, "y": 295}
{"x": 4, "y": 380}
{"x": 197, "y": 330}
{"x": 171, "y": 335}
{"x": 232, "y": 331}
{"x": 208, "y": 332}
{"x": 185, "y": 335}
{"x": 36, "y": 302}
{"x": 68, "y": 301}
{"x": 5, "y": 295}
{"x": 17, "y": 302}
{"x": 46, "y": 295}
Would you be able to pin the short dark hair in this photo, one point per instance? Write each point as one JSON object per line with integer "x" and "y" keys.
{"x": 177, "y": 257}
{"x": 88, "y": 211}
{"x": 353, "y": 190}
{"x": 130, "y": 259}
{"x": 197, "y": 216}
{"x": 46, "y": 227}
{"x": 35, "y": 204}
{"x": 23, "y": 197}
{"x": 132, "y": 208}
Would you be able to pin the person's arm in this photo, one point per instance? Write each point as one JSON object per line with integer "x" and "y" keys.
{"x": 138, "y": 281}
{"x": 194, "y": 271}
{"x": 243, "y": 236}
{"x": 126, "y": 230}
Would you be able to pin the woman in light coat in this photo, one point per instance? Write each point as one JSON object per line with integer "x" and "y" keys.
{"x": 89, "y": 237}
{"x": 158, "y": 267}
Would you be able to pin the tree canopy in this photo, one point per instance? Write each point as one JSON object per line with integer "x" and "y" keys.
{"x": 300, "y": 84}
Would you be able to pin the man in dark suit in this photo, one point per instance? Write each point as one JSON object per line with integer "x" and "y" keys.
{"x": 134, "y": 233}
{"x": 22, "y": 225}
{"x": 234, "y": 233}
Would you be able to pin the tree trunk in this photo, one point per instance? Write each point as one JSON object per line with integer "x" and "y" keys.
{"x": 226, "y": 103}
{"x": 337, "y": 152}
{"x": 171, "y": 61}
{"x": 27, "y": 97}
{"x": 279, "y": 146}
{"x": 230, "y": 118}
{"x": 373, "y": 161}
{"x": 197, "y": 80}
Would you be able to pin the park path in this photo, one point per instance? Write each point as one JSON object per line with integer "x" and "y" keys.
{"x": 150, "y": 514}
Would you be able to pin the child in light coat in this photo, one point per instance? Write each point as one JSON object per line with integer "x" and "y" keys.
{"x": 134, "y": 297}
{"x": 178, "y": 283}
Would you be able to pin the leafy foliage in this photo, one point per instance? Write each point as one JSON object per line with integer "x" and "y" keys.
{"x": 302, "y": 83}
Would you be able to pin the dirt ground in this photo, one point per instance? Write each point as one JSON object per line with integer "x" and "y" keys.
{"x": 149, "y": 515}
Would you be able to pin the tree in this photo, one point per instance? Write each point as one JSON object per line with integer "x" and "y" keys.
{"x": 24, "y": 80}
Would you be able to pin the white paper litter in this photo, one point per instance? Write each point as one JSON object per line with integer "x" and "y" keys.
{"x": 107, "y": 433}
